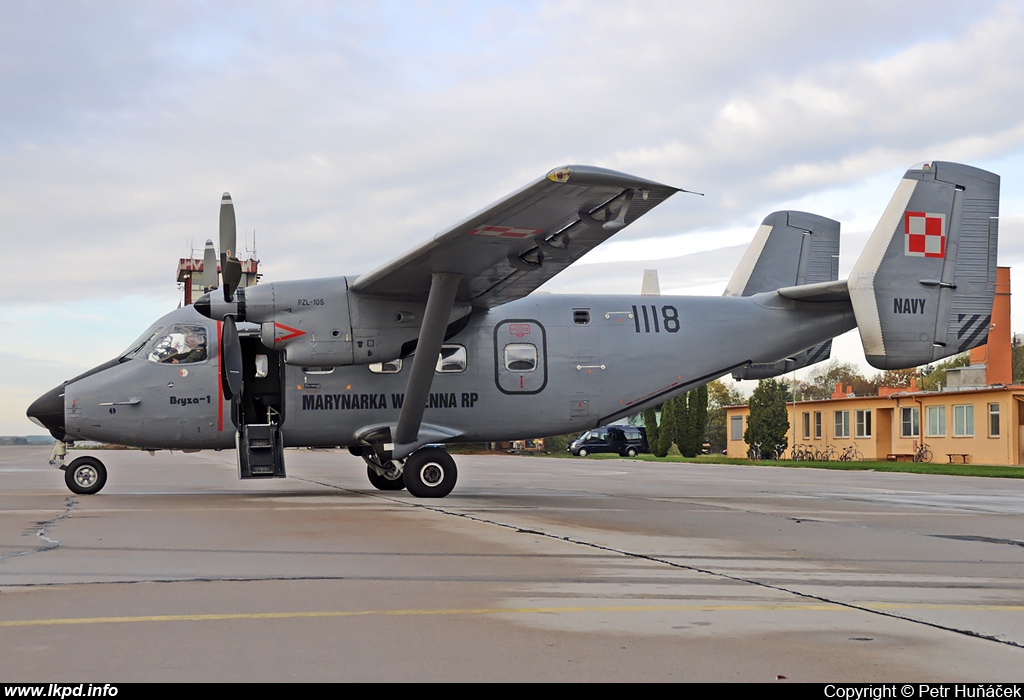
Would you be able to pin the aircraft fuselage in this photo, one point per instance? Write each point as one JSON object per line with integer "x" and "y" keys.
{"x": 542, "y": 365}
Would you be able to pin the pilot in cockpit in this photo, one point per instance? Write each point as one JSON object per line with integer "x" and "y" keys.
{"x": 194, "y": 350}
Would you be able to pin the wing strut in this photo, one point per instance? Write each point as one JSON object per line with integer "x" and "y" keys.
{"x": 440, "y": 301}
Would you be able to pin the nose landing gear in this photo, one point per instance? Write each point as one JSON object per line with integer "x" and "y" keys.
{"x": 85, "y": 475}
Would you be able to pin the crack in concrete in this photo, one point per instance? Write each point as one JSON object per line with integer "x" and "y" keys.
{"x": 980, "y": 538}
{"x": 42, "y": 528}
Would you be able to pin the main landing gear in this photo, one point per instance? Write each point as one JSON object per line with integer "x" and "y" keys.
{"x": 385, "y": 477}
{"x": 429, "y": 472}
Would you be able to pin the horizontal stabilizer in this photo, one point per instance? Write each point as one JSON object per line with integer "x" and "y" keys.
{"x": 821, "y": 292}
{"x": 923, "y": 288}
{"x": 766, "y": 370}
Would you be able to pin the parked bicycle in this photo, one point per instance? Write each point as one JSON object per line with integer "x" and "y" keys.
{"x": 803, "y": 453}
{"x": 923, "y": 454}
{"x": 829, "y": 453}
{"x": 851, "y": 454}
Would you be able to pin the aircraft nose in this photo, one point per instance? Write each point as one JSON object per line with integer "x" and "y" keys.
{"x": 48, "y": 411}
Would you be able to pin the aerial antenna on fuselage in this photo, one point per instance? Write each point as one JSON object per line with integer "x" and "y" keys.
{"x": 650, "y": 286}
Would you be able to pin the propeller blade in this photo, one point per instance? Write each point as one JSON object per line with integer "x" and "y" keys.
{"x": 227, "y": 229}
{"x": 231, "y": 359}
{"x": 209, "y": 267}
{"x": 231, "y": 272}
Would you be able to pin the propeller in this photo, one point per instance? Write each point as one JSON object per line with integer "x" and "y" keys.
{"x": 231, "y": 269}
{"x": 230, "y": 276}
{"x": 231, "y": 362}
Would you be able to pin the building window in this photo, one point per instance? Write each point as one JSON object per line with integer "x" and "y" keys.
{"x": 910, "y": 422}
{"x": 736, "y": 428}
{"x": 817, "y": 425}
{"x": 993, "y": 420}
{"x": 936, "y": 426}
{"x": 863, "y": 420}
{"x": 807, "y": 425}
{"x": 963, "y": 421}
{"x": 842, "y": 424}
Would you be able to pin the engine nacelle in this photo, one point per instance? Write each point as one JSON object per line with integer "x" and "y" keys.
{"x": 322, "y": 323}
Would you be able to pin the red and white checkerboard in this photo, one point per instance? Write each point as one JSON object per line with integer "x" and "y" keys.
{"x": 925, "y": 234}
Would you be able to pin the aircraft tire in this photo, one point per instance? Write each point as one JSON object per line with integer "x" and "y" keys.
{"x": 383, "y": 483}
{"x": 85, "y": 475}
{"x": 430, "y": 473}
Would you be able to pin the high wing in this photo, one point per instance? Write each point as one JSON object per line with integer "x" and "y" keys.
{"x": 507, "y": 250}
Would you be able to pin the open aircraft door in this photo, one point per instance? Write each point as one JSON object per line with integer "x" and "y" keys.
{"x": 520, "y": 357}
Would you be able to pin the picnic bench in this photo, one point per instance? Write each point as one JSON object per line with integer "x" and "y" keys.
{"x": 900, "y": 457}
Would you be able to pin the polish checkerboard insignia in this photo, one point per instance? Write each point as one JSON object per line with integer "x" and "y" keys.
{"x": 924, "y": 234}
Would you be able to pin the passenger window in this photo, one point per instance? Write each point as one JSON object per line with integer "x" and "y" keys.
{"x": 389, "y": 367}
{"x": 180, "y": 344}
{"x": 452, "y": 358}
{"x": 521, "y": 357}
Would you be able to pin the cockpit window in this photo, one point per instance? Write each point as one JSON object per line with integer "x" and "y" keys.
{"x": 141, "y": 342}
{"x": 182, "y": 343}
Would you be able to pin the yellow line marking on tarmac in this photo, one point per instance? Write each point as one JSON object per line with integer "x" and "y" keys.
{"x": 494, "y": 611}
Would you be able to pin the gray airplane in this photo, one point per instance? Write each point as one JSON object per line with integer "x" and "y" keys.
{"x": 445, "y": 343}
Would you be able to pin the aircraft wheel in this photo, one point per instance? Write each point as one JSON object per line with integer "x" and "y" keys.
{"x": 430, "y": 473}
{"x": 582, "y": 453}
{"x": 383, "y": 483}
{"x": 631, "y": 452}
{"x": 85, "y": 475}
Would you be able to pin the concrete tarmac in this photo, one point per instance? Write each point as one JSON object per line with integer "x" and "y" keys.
{"x": 533, "y": 569}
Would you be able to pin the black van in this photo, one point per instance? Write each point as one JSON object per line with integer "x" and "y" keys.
{"x": 626, "y": 440}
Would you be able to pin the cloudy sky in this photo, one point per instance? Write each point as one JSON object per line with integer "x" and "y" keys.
{"x": 349, "y": 132}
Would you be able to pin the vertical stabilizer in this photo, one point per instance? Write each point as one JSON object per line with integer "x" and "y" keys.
{"x": 790, "y": 248}
{"x": 923, "y": 288}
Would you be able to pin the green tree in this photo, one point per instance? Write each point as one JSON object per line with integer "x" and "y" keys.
{"x": 931, "y": 376}
{"x": 684, "y": 425}
{"x": 692, "y": 421}
{"x": 651, "y": 425}
{"x": 768, "y": 424}
{"x": 898, "y": 378}
{"x": 822, "y": 380}
{"x": 700, "y": 417}
{"x": 667, "y": 429}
